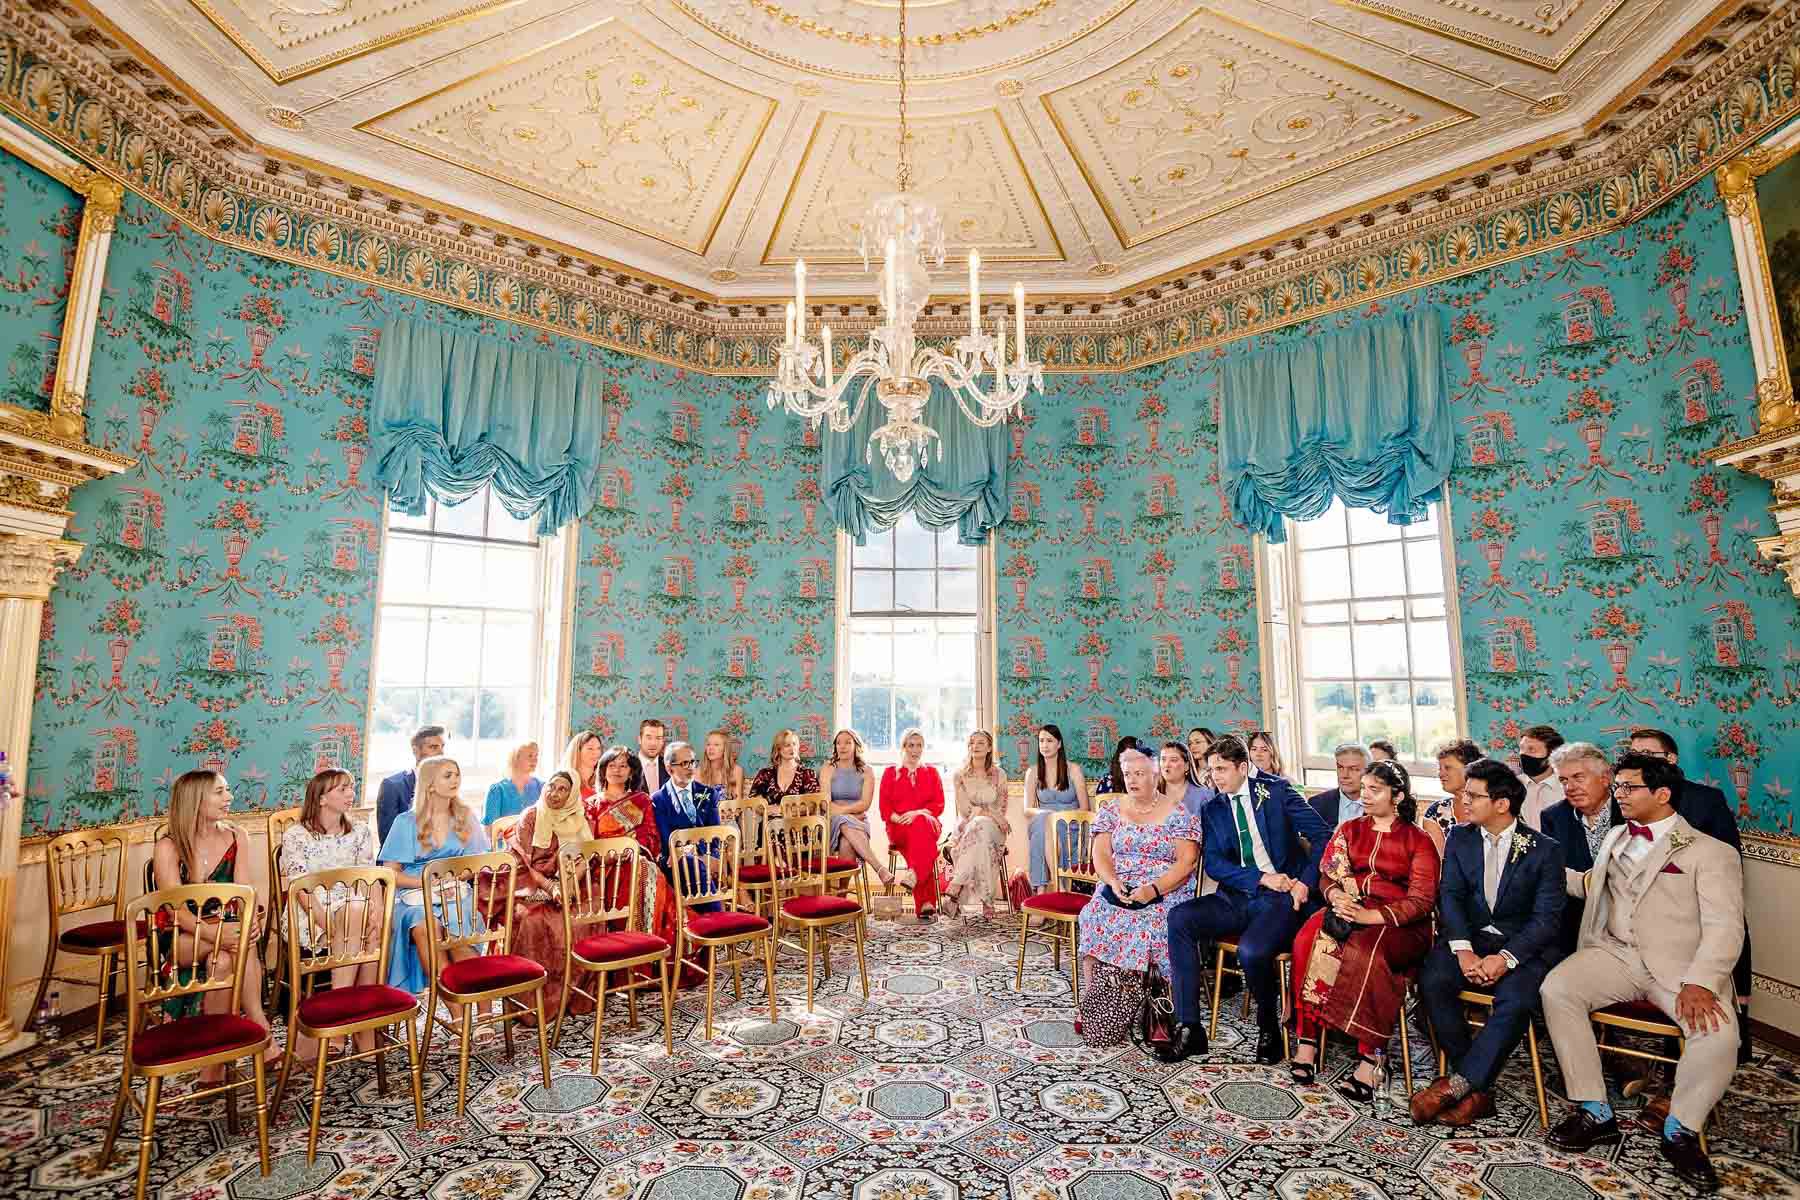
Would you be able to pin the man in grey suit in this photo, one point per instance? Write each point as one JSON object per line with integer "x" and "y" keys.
{"x": 1663, "y": 924}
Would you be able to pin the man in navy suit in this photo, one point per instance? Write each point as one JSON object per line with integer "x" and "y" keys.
{"x": 650, "y": 762}
{"x": 1500, "y": 904}
{"x": 1252, "y": 848}
{"x": 683, "y": 803}
{"x": 1344, "y": 802}
{"x": 396, "y": 795}
{"x": 1706, "y": 809}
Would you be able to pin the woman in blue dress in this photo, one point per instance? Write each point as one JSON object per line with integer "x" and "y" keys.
{"x": 511, "y": 796}
{"x": 849, "y": 787}
{"x": 1052, "y": 784}
{"x": 438, "y": 826}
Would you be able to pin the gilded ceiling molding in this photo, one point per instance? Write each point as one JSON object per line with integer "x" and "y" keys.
{"x": 64, "y": 92}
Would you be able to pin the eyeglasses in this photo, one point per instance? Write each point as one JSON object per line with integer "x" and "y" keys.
{"x": 1625, "y": 789}
{"x": 682, "y": 762}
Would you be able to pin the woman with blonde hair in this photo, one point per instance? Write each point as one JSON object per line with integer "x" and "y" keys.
{"x": 519, "y": 790}
{"x": 581, "y": 758}
{"x": 719, "y": 765}
{"x": 439, "y": 825}
{"x": 201, "y": 846}
{"x": 849, "y": 788}
{"x": 785, "y": 775}
{"x": 977, "y": 849}
{"x": 326, "y": 838}
{"x": 912, "y": 807}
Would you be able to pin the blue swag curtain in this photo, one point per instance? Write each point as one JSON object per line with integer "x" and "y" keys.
{"x": 1362, "y": 414}
{"x": 966, "y": 488}
{"x": 455, "y": 412}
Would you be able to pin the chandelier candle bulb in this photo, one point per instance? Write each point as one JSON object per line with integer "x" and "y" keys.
{"x": 800, "y": 299}
{"x": 1019, "y": 320}
{"x": 974, "y": 294}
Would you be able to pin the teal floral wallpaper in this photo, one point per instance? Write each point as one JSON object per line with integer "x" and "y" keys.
{"x": 39, "y": 221}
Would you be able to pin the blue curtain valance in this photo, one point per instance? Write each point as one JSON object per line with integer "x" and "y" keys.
{"x": 1362, "y": 414}
{"x": 454, "y": 412}
{"x": 965, "y": 488}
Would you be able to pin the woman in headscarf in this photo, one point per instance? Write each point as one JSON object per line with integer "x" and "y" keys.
{"x": 555, "y": 820}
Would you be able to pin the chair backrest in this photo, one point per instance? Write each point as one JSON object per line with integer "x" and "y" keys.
{"x": 165, "y": 965}
{"x": 454, "y": 890}
{"x": 279, "y": 823}
{"x": 803, "y": 804}
{"x": 504, "y": 830}
{"x": 85, "y": 870}
{"x": 797, "y": 850}
{"x": 703, "y": 862}
{"x": 599, "y": 882}
{"x": 336, "y": 935}
{"x": 1072, "y": 834}
{"x": 748, "y": 816}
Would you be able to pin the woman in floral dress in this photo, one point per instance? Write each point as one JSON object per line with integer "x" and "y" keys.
{"x": 1146, "y": 851}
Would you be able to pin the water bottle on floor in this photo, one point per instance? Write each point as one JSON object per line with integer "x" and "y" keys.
{"x": 1384, "y": 1105}
{"x": 49, "y": 1019}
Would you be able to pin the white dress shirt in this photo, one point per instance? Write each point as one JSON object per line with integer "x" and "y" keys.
{"x": 1635, "y": 848}
{"x": 1503, "y": 842}
{"x": 1539, "y": 795}
{"x": 1264, "y": 863}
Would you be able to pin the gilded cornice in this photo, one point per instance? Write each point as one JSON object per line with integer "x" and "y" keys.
{"x": 71, "y": 93}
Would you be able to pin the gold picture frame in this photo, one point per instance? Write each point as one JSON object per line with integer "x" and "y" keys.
{"x": 1761, "y": 190}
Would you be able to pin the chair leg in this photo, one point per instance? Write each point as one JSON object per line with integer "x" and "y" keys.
{"x": 599, "y": 1020}
{"x": 1218, "y": 990}
{"x": 631, "y": 992}
{"x": 416, "y": 1069}
{"x": 1285, "y": 963}
{"x": 668, "y": 1003}
{"x": 104, "y": 985}
{"x": 462, "y": 1073}
{"x": 381, "y": 1079}
{"x": 1405, "y": 1048}
{"x": 1075, "y": 960}
{"x": 572, "y": 974}
{"x": 1024, "y": 933}
{"x": 811, "y": 950}
{"x": 737, "y": 972}
{"x": 862, "y": 964}
{"x": 231, "y": 1097}
{"x": 769, "y": 976}
{"x": 152, "y": 1089}
{"x": 506, "y": 1031}
{"x": 543, "y": 1036}
{"x": 37, "y": 1001}
{"x": 112, "y": 1126}
{"x": 318, "y": 1098}
{"x": 712, "y": 959}
{"x": 1537, "y": 1073}
{"x": 261, "y": 1070}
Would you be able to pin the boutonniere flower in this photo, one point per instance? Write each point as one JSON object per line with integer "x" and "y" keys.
{"x": 1521, "y": 846}
{"x": 1261, "y": 792}
{"x": 1679, "y": 841}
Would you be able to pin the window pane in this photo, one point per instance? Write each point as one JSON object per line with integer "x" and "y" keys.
{"x": 1426, "y": 528}
{"x": 956, "y": 657}
{"x": 873, "y": 591}
{"x": 913, "y": 546}
{"x": 1425, "y": 566}
{"x": 454, "y": 709}
{"x": 456, "y": 571}
{"x": 1319, "y": 614}
{"x": 1380, "y": 610}
{"x": 1380, "y": 651}
{"x": 1325, "y": 652}
{"x": 1431, "y": 607}
{"x": 878, "y": 553}
{"x": 1367, "y": 525}
{"x": 465, "y": 519}
{"x": 1431, "y": 647}
{"x": 1332, "y": 710}
{"x": 915, "y": 652}
{"x": 510, "y": 578}
{"x": 871, "y": 654}
{"x": 390, "y": 733}
{"x": 952, "y": 553}
{"x": 1384, "y": 710}
{"x": 450, "y": 657}
{"x": 402, "y": 646}
{"x": 956, "y": 591}
{"x": 1378, "y": 570}
{"x": 1324, "y": 575}
{"x": 399, "y": 520}
{"x": 872, "y": 716}
{"x": 1326, "y": 530}
{"x": 506, "y": 650}
{"x": 1435, "y": 708}
{"x": 502, "y": 714}
{"x": 502, "y": 524}
{"x": 403, "y": 569}
{"x": 913, "y": 591}
{"x": 909, "y": 711}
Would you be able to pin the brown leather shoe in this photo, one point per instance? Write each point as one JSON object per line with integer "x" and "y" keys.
{"x": 1470, "y": 1109}
{"x": 1428, "y": 1103}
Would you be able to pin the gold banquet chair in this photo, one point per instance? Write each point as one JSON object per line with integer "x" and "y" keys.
{"x": 704, "y": 864}
{"x": 601, "y": 932}
{"x": 1072, "y": 834}
{"x": 84, "y": 872}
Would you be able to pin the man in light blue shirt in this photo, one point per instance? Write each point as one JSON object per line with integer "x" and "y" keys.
{"x": 1345, "y": 803}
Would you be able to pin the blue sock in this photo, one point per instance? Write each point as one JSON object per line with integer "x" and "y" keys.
{"x": 1600, "y": 1109}
{"x": 1671, "y": 1127}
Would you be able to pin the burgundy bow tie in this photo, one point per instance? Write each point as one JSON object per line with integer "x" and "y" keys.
{"x": 1643, "y": 831}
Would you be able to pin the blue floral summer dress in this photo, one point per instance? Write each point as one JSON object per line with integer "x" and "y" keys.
{"x": 1131, "y": 938}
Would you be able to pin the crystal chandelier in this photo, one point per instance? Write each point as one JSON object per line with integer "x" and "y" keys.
{"x": 904, "y": 230}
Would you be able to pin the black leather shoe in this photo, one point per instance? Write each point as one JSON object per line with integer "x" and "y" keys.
{"x": 1581, "y": 1131}
{"x": 1189, "y": 1040}
{"x": 1691, "y": 1165}
{"x": 1268, "y": 1045}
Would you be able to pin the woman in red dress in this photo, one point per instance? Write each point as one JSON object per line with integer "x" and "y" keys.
{"x": 1380, "y": 873}
{"x": 912, "y": 807}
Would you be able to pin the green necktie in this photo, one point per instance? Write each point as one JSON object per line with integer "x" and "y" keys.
{"x": 1240, "y": 808}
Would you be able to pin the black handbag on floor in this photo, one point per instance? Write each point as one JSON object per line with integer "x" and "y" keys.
{"x": 1155, "y": 1024}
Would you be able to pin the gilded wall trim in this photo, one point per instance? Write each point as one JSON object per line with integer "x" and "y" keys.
{"x": 55, "y": 88}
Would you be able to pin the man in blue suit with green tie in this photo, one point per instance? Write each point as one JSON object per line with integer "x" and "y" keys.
{"x": 1252, "y": 847}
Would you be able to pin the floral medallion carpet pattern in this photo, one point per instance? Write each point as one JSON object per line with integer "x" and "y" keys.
{"x": 948, "y": 1083}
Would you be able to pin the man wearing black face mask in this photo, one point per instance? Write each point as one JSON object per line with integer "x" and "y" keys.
{"x": 1542, "y": 787}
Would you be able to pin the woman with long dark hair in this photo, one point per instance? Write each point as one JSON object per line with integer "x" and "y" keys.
{"x": 1052, "y": 784}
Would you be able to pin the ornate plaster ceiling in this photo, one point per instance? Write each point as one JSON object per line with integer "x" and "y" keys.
{"x": 1090, "y": 144}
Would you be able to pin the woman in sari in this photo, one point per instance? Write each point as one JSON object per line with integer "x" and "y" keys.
{"x": 556, "y": 819}
{"x": 1380, "y": 874}
{"x": 616, "y": 809}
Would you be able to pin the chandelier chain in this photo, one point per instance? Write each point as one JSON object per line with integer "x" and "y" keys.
{"x": 905, "y": 178}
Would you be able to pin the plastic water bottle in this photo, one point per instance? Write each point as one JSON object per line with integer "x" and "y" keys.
{"x": 49, "y": 1019}
{"x": 1384, "y": 1100}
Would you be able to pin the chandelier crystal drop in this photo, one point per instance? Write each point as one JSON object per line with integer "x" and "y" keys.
{"x": 904, "y": 232}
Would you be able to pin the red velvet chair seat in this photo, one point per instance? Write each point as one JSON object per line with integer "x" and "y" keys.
{"x": 1062, "y": 904}
{"x": 348, "y": 1005}
{"x": 195, "y": 1037}
{"x": 725, "y": 924}
{"x": 489, "y": 972}
{"x": 611, "y": 947}
{"x": 97, "y": 936}
{"x": 834, "y": 863}
{"x": 814, "y": 907}
{"x": 755, "y": 873}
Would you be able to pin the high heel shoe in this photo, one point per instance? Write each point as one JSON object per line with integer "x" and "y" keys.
{"x": 1352, "y": 1088}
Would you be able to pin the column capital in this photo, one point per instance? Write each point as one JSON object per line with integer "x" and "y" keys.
{"x": 30, "y": 564}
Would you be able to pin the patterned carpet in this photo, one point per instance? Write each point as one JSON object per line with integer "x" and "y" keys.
{"x": 947, "y": 1084}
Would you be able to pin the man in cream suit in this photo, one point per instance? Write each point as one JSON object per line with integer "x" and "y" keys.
{"x": 1663, "y": 923}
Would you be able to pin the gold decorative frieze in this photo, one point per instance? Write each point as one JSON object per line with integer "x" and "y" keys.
{"x": 1219, "y": 113}
{"x": 966, "y": 162}
{"x": 604, "y": 122}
